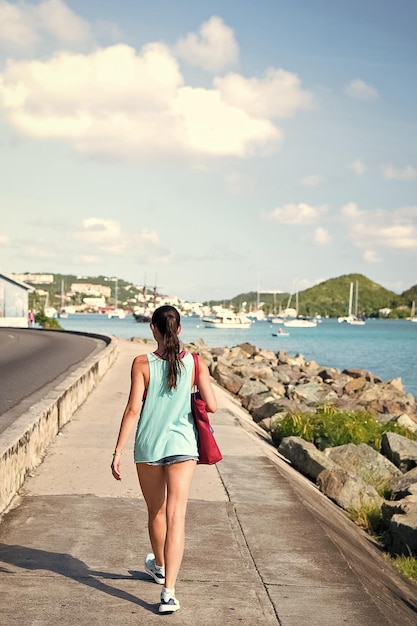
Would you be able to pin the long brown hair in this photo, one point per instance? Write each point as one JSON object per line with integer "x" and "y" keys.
{"x": 167, "y": 320}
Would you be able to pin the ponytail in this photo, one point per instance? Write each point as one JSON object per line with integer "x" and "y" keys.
{"x": 167, "y": 319}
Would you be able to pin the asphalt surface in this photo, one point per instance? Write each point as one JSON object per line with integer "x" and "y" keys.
{"x": 32, "y": 361}
{"x": 263, "y": 545}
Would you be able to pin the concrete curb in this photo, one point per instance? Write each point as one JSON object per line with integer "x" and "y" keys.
{"x": 23, "y": 444}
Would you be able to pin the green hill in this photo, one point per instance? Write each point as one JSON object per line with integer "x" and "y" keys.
{"x": 331, "y": 298}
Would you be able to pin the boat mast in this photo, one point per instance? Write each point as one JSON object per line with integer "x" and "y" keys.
{"x": 356, "y": 300}
{"x": 350, "y": 300}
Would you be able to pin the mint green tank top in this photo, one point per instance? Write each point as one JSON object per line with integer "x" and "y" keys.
{"x": 166, "y": 425}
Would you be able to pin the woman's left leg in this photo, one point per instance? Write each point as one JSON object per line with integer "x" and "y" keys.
{"x": 153, "y": 486}
{"x": 178, "y": 479}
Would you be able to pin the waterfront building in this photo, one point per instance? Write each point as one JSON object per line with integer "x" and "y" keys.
{"x": 14, "y": 302}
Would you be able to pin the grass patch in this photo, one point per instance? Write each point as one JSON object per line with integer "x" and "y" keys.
{"x": 407, "y": 565}
{"x": 328, "y": 427}
{"x": 369, "y": 517}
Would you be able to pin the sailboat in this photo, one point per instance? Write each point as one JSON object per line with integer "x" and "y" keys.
{"x": 299, "y": 322}
{"x": 413, "y": 317}
{"x": 352, "y": 318}
{"x": 62, "y": 314}
{"x": 116, "y": 312}
{"x": 141, "y": 313}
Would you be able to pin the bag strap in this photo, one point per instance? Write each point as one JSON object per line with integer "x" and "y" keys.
{"x": 197, "y": 369}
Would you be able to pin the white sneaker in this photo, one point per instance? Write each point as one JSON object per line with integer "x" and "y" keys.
{"x": 157, "y": 573}
{"x": 169, "y": 603}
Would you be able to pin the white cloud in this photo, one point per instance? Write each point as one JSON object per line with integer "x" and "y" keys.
{"x": 240, "y": 183}
{"x": 313, "y": 181}
{"x": 115, "y": 101}
{"x": 23, "y": 25}
{"x": 96, "y": 241}
{"x": 296, "y": 214}
{"x": 358, "y": 166}
{"x": 214, "y": 48}
{"x": 371, "y": 256}
{"x": 209, "y": 126}
{"x": 321, "y": 235}
{"x": 394, "y": 173}
{"x": 360, "y": 90}
{"x": 350, "y": 210}
{"x": 108, "y": 237}
{"x": 379, "y": 230}
{"x": 277, "y": 94}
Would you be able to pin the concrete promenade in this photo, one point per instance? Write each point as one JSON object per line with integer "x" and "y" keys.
{"x": 263, "y": 546}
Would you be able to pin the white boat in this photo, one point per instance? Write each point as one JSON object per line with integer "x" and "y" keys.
{"x": 413, "y": 317}
{"x": 227, "y": 320}
{"x": 352, "y": 318}
{"x": 119, "y": 313}
{"x": 280, "y": 333}
{"x": 276, "y": 320}
{"x": 300, "y": 322}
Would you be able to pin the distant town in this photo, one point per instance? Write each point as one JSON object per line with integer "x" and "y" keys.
{"x": 61, "y": 295}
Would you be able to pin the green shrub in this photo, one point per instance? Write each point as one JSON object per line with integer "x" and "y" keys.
{"x": 47, "y": 322}
{"x": 407, "y": 565}
{"x": 329, "y": 427}
{"x": 369, "y": 517}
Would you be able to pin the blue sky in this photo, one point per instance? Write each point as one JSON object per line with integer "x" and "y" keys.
{"x": 212, "y": 147}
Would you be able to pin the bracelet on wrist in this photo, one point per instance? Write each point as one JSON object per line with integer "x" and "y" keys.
{"x": 117, "y": 453}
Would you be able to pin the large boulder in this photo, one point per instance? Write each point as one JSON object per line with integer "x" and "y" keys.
{"x": 402, "y": 534}
{"x": 268, "y": 409}
{"x": 347, "y": 490}
{"x": 406, "y": 421}
{"x": 227, "y": 379}
{"x": 312, "y": 393}
{"x": 255, "y": 370}
{"x": 400, "y": 450}
{"x": 366, "y": 463}
{"x": 305, "y": 457}
{"x": 403, "y": 486}
{"x": 253, "y": 401}
{"x": 275, "y": 386}
{"x": 355, "y": 384}
{"x": 250, "y": 386}
{"x": 359, "y": 373}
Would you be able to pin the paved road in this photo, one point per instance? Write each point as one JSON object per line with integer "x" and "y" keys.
{"x": 32, "y": 361}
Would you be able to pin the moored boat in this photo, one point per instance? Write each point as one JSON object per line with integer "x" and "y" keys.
{"x": 142, "y": 318}
{"x": 227, "y": 320}
{"x": 300, "y": 323}
{"x": 119, "y": 313}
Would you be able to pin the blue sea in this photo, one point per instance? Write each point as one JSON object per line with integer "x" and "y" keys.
{"x": 387, "y": 348}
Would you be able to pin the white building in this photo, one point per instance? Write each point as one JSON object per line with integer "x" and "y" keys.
{"x": 14, "y": 302}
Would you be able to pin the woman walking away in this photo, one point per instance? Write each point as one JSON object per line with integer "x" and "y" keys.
{"x": 165, "y": 449}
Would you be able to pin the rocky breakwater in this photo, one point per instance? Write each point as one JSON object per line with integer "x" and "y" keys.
{"x": 356, "y": 477}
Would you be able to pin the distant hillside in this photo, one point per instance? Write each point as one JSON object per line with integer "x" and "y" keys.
{"x": 331, "y": 298}
{"x": 410, "y": 295}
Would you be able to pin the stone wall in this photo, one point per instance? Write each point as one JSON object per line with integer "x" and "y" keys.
{"x": 23, "y": 444}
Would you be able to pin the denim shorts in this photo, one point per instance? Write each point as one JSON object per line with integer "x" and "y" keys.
{"x": 176, "y": 458}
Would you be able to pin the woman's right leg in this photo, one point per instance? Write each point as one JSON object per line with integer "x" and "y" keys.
{"x": 152, "y": 480}
{"x": 178, "y": 477}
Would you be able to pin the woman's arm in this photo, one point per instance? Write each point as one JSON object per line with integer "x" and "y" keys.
{"x": 205, "y": 387}
{"x": 139, "y": 379}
